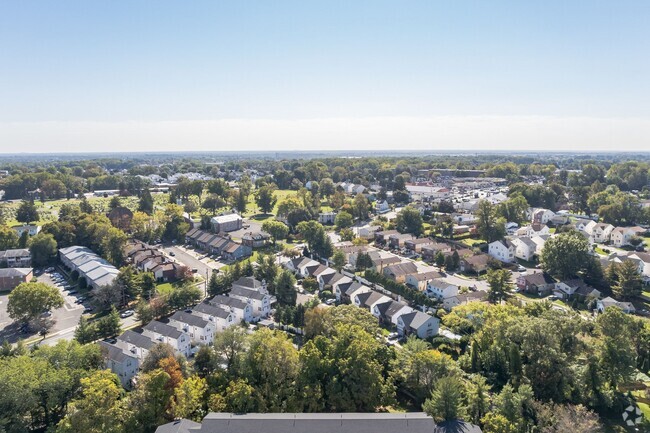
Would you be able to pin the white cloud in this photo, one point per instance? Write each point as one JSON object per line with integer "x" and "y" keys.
{"x": 484, "y": 133}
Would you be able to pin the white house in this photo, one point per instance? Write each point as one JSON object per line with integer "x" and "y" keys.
{"x": 525, "y": 248}
{"x": 226, "y": 223}
{"x": 421, "y": 324}
{"x": 441, "y": 289}
{"x": 419, "y": 281}
{"x": 465, "y": 298}
{"x": 503, "y": 250}
{"x": 302, "y": 266}
{"x": 327, "y": 217}
{"x": 381, "y": 206}
{"x": 621, "y": 236}
{"x": 254, "y": 294}
{"x": 368, "y": 300}
{"x": 241, "y": 310}
{"x": 124, "y": 364}
{"x": 607, "y": 302}
{"x": 163, "y": 333}
{"x": 533, "y": 230}
{"x": 31, "y": 229}
{"x": 135, "y": 344}
{"x": 598, "y": 232}
{"x": 350, "y": 292}
{"x": 201, "y": 331}
{"x": 541, "y": 216}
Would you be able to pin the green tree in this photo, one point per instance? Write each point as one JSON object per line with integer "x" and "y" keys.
{"x": 213, "y": 203}
{"x": 29, "y": 300}
{"x": 409, "y": 220}
{"x": 338, "y": 260}
{"x": 446, "y": 402}
{"x": 239, "y": 396}
{"x": 149, "y": 402}
{"x": 27, "y": 212}
{"x": 285, "y": 288}
{"x": 43, "y": 249}
{"x": 8, "y": 238}
{"x": 265, "y": 198}
{"x": 565, "y": 255}
{"x": 85, "y": 332}
{"x": 23, "y": 240}
{"x": 500, "y": 284}
{"x": 230, "y": 345}
{"x": 360, "y": 207}
{"x": 189, "y": 399}
{"x": 343, "y": 220}
{"x": 146, "y": 202}
{"x": 364, "y": 261}
{"x": 628, "y": 280}
{"x": 277, "y": 229}
{"x": 241, "y": 201}
{"x": 112, "y": 246}
{"x": 99, "y": 408}
{"x": 489, "y": 226}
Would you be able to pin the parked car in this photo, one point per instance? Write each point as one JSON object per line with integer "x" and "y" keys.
{"x": 88, "y": 310}
{"x": 127, "y": 313}
{"x": 331, "y": 301}
{"x": 171, "y": 253}
{"x": 521, "y": 268}
{"x": 72, "y": 292}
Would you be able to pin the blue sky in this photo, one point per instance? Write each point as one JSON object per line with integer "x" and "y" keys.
{"x": 162, "y": 75}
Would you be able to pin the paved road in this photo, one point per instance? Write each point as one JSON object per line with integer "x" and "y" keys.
{"x": 193, "y": 259}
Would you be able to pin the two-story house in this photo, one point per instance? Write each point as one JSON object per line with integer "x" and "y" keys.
{"x": 163, "y": 333}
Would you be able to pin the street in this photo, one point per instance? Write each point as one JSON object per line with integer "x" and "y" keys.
{"x": 192, "y": 259}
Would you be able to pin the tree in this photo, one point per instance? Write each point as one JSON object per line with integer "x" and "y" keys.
{"x": 500, "y": 284}
{"x": 239, "y": 396}
{"x": 43, "y": 249}
{"x": 338, "y": 260}
{"x": 109, "y": 325}
{"x": 189, "y": 399}
{"x": 446, "y": 399}
{"x": 149, "y": 402}
{"x": 112, "y": 246}
{"x": 241, "y": 201}
{"x": 212, "y": 203}
{"x": 285, "y": 288}
{"x": 277, "y": 229}
{"x": 27, "y": 212}
{"x": 360, "y": 207}
{"x": 29, "y": 300}
{"x": 146, "y": 202}
{"x": 409, "y": 220}
{"x": 265, "y": 199}
{"x": 230, "y": 345}
{"x": 490, "y": 227}
{"x": 628, "y": 280}
{"x": 8, "y": 238}
{"x": 99, "y": 408}
{"x": 478, "y": 397}
{"x": 157, "y": 353}
{"x": 565, "y": 255}
{"x": 343, "y": 220}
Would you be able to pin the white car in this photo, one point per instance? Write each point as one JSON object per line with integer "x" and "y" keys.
{"x": 127, "y": 313}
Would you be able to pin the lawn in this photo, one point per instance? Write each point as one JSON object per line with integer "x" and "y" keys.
{"x": 165, "y": 288}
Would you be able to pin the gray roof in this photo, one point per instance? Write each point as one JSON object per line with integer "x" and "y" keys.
{"x": 20, "y": 252}
{"x": 394, "y": 308}
{"x": 14, "y": 272}
{"x": 416, "y": 319}
{"x": 212, "y": 310}
{"x": 136, "y": 339}
{"x": 245, "y": 292}
{"x": 227, "y": 300}
{"x": 179, "y": 426}
{"x": 162, "y": 329}
{"x": 456, "y": 427}
{"x": 410, "y": 422}
{"x": 249, "y": 282}
{"x": 189, "y": 319}
{"x": 113, "y": 352}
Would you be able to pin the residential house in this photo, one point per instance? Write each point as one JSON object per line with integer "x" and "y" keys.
{"x": 441, "y": 289}
{"x": 94, "y": 269}
{"x": 368, "y": 300}
{"x": 135, "y": 344}
{"x": 31, "y": 229}
{"x": 476, "y": 264}
{"x": 575, "y": 288}
{"x": 226, "y": 223}
{"x": 170, "y": 271}
{"x": 12, "y": 277}
{"x": 220, "y": 316}
{"x": 621, "y": 236}
{"x": 382, "y": 237}
{"x": 525, "y": 248}
{"x": 419, "y": 281}
{"x": 534, "y": 229}
{"x": 421, "y": 324}
{"x": 382, "y": 259}
{"x": 235, "y": 251}
{"x": 301, "y": 266}
{"x": 397, "y": 240}
{"x": 399, "y": 271}
{"x": 430, "y": 251}
{"x": 16, "y": 258}
{"x": 327, "y": 218}
{"x": 124, "y": 364}
{"x": 254, "y": 293}
{"x": 599, "y": 232}
{"x": 464, "y": 298}
{"x": 241, "y": 311}
{"x": 503, "y": 250}
{"x": 200, "y": 330}
{"x": 256, "y": 239}
{"x": 538, "y": 283}
{"x": 608, "y": 302}
{"x": 345, "y": 295}
{"x": 331, "y": 281}
{"x": 381, "y": 206}
{"x": 163, "y": 333}
{"x": 541, "y": 216}
{"x": 416, "y": 245}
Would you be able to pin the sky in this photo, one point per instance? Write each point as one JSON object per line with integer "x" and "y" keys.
{"x": 97, "y": 76}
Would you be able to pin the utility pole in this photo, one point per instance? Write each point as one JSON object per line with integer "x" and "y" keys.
{"x": 206, "y": 282}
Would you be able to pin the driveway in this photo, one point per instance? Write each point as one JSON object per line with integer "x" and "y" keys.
{"x": 193, "y": 259}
